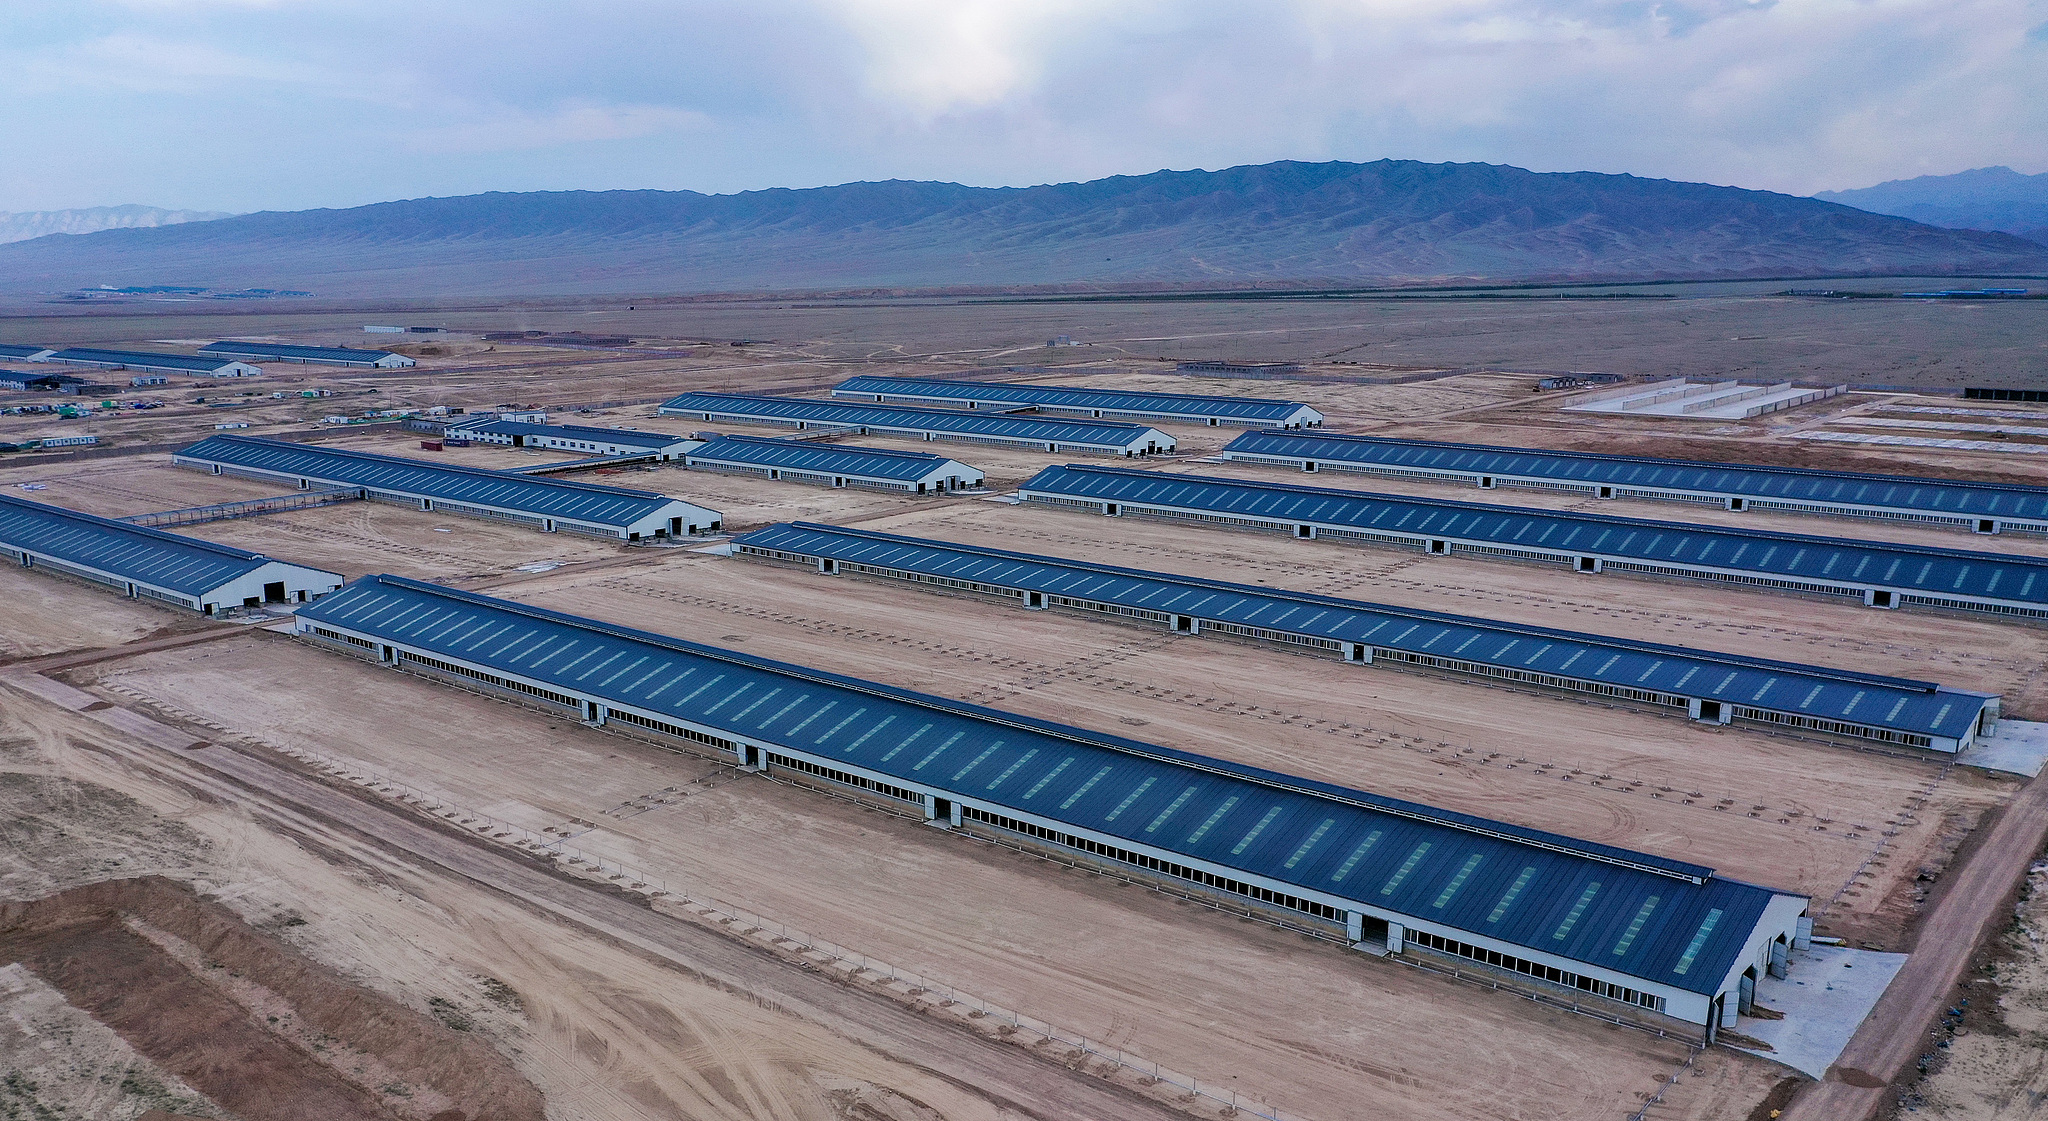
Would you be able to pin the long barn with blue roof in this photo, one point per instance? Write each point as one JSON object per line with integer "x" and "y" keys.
{"x": 1101, "y": 437}
{"x": 1075, "y": 400}
{"x": 835, "y": 465}
{"x": 318, "y": 355}
{"x": 1711, "y": 687}
{"x": 1599, "y": 924}
{"x": 547, "y": 504}
{"x": 145, "y": 563}
{"x": 588, "y": 439}
{"x": 1981, "y": 507}
{"x": 1881, "y": 574}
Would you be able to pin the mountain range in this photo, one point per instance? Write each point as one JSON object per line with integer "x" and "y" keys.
{"x": 23, "y": 225}
{"x": 1277, "y": 224}
{"x": 1988, "y": 198}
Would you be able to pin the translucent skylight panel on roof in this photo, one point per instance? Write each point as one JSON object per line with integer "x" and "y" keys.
{"x": 1259, "y": 827}
{"x": 1761, "y": 482}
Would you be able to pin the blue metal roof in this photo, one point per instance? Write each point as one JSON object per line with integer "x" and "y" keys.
{"x": 1099, "y": 433}
{"x": 17, "y": 350}
{"x": 1661, "y": 920}
{"x": 1911, "y": 568}
{"x": 86, "y": 354}
{"x": 146, "y": 556}
{"x": 648, "y": 440}
{"x": 797, "y": 455}
{"x": 1898, "y": 492}
{"x": 286, "y": 350}
{"x": 1193, "y": 405}
{"x": 1885, "y": 702}
{"x": 558, "y": 498}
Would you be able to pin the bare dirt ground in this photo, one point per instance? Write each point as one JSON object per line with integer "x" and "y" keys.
{"x": 1074, "y": 949}
{"x": 602, "y": 1031}
{"x": 354, "y": 538}
{"x": 58, "y": 1057}
{"x": 253, "y": 1025}
{"x": 116, "y": 488}
{"x": 1942, "y": 646}
{"x": 1788, "y": 813}
{"x": 1718, "y": 329}
{"x": 608, "y": 1033}
{"x": 1972, "y": 905}
{"x": 1861, "y": 529}
{"x": 48, "y": 615}
{"x": 1996, "y": 1065}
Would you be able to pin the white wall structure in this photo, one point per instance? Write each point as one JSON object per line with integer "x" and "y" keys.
{"x": 1577, "y": 924}
{"x": 149, "y": 563}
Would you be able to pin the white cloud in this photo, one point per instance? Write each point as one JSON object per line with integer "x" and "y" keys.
{"x": 514, "y": 130}
{"x": 1795, "y": 95}
{"x": 939, "y": 56}
{"x": 158, "y": 64}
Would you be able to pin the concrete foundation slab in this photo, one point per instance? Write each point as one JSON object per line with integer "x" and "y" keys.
{"x": 2019, "y": 747}
{"x": 1827, "y": 995}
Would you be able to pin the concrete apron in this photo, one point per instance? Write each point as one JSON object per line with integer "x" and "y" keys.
{"x": 1828, "y": 993}
{"x": 2019, "y": 747}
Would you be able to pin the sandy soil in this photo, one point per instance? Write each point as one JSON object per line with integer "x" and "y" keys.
{"x": 1718, "y": 329}
{"x": 1996, "y": 1065}
{"x": 1862, "y": 529}
{"x": 116, "y": 488}
{"x": 59, "y": 1058}
{"x": 47, "y": 614}
{"x": 1787, "y": 813}
{"x": 1016, "y": 930}
{"x": 607, "y": 1034}
{"x": 354, "y": 538}
{"x": 1942, "y": 646}
{"x": 257, "y": 1027}
{"x": 604, "y": 1033}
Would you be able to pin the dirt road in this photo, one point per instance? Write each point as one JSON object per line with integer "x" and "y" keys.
{"x": 1895, "y": 1031}
{"x": 1011, "y": 1078}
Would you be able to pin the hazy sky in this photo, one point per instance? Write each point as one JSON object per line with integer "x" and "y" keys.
{"x": 286, "y": 104}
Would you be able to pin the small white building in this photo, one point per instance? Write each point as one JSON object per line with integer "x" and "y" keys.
{"x": 836, "y": 465}
{"x": 145, "y": 563}
{"x": 586, "y": 440}
{"x": 151, "y": 362}
{"x": 316, "y": 355}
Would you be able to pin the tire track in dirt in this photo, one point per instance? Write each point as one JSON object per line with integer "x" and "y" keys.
{"x": 1014, "y": 1078}
{"x": 1027, "y": 674}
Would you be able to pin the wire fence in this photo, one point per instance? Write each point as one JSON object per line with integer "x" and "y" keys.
{"x": 745, "y": 923}
{"x": 1449, "y": 969}
{"x": 1657, "y": 1098}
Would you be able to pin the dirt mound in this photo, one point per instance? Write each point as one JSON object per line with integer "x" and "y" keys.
{"x": 246, "y": 1020}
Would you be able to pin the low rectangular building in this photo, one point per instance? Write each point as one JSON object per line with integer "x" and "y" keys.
{"x": 546, "y": 504}
{"x": 1711, "y": 687}
{"x": 202, "y": 366}
{"x": 1982, "y": 507}
{"x": 1879, "y": 573}
{"x": 150, "y": 563}
{"x": 1101, "y": 437}
{"x": 318, "y": 355}
{"x": 1097, "y": 404}
{"x": 25, "y": 381}
{"x": 586, "y": 439}
{"x": 835, "y": 465}
{"x": 1239, "y": 369}
{"x": 1570, "y": 920}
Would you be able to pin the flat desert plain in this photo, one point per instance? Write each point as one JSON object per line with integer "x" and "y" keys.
{"x": 606, "y": 1027}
